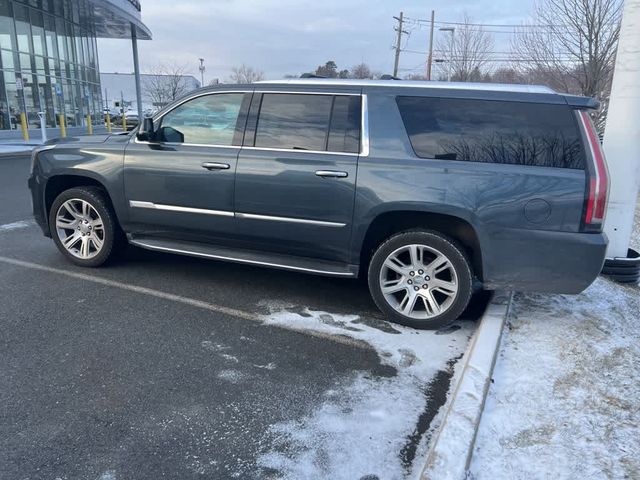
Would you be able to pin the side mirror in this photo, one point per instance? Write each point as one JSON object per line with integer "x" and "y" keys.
{"x": 146, "y": 133}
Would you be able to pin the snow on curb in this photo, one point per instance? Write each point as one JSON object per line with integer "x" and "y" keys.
{"x": 450, "y": 453}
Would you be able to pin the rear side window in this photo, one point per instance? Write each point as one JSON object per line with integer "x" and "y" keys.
{"x": 309, "y": 122}
{"x": 493, "y": 131}
{"x": 344, "y": 134}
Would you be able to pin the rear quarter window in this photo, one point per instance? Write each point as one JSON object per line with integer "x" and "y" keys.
{"x": 491, "y": 131}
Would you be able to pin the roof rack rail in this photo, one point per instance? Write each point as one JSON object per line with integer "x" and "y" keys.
{"x": 311, "y": 75}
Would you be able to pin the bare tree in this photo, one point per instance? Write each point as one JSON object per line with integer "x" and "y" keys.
{"x": 467, "y": 51}
{"x": 361, "y": 71}
{"x": 245, "y": 74}
{"x": 571, "y": 46}
{"x": 164, "y": 84}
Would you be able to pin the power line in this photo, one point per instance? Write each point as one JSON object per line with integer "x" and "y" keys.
{"x": 422, "y": 21}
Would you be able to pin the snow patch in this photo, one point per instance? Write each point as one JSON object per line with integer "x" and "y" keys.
{"x": 565, "y": 400}
{"x": 7, "y": 227}
{"x": 231, "y": 376}
{"x": 363, "y": 425}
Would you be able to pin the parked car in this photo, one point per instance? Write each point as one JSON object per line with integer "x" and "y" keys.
{"x": 421, "y": 187}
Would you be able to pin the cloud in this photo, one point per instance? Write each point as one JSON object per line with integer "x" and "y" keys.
{"x": 288, "y": 36}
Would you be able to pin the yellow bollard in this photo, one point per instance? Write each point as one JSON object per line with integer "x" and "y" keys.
{"x": 124, "y": 122}
{"x": 89, "y": 125}
{"x": 108, "y": 122}
{"x": 24, "y": 126}
{"x": 63, "y": 128}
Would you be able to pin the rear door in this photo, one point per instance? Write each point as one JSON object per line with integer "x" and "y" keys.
{"x": 296, "y": 173}
{"x": 182, "y": 182}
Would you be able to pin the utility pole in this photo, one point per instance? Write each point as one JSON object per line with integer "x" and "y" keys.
{"x": 430, "y": 57}
{"x": 398, "y": 43}
{"x": 202, "y": 68}
{"x": 453, "y": 32}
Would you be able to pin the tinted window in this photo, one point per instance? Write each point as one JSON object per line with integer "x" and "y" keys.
{"x": 344, "y": 134}
{"x": 492, "y": 131}
{"x": 294, "y": 121}
{"x": 209, "y": 120}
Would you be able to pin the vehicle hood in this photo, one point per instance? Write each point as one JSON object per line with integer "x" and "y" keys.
{"x": 85, "y": 139}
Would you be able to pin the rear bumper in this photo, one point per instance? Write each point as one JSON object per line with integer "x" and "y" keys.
{"x": 542, "y": 261}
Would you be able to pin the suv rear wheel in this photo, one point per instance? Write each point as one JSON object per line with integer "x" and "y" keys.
{"x": 420, "y": 279}
{"x": 83, "y": 226}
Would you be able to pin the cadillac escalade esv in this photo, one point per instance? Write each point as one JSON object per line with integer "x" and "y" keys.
{"x": 424, "y": 188}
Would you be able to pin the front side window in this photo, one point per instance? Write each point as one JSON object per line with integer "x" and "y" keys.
{"x": 492, "y": 131}
{"x": 206, "y": 120}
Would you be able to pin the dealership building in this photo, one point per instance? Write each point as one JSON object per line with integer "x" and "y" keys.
{"x": 49, "y": 58}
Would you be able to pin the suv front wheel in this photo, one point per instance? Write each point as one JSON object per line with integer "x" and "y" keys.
{"x": 83, "y": 226}
{"x": 420, "y": 279}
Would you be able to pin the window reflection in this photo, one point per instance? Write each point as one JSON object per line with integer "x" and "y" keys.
{"x": 493, "y": 131}
{"x": 294, "y": 121}
{"x": 207, "y": 120}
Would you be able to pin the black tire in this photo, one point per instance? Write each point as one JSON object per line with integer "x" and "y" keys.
{"x": 113, "y": 236}
{"x": 622, "y": 270}
{"x": 444, "y": 245}
{"x": 625, "y": 277}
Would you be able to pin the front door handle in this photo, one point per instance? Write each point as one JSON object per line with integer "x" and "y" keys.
{"x": 215, "y": 166}
{"x": 331, "y": 174}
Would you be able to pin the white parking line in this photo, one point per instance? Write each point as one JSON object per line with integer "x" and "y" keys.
{"x": 7, "y": 227}
{"x": 180, "y": 299}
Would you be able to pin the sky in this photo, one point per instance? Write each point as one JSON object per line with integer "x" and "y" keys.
{"x": 282, "y": 37}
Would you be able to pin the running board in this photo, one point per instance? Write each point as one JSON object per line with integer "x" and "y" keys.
{"x": 251, "y": 257}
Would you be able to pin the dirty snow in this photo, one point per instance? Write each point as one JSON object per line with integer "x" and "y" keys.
{"x": 565, "y": 403}
{"x": 365, "y": 428}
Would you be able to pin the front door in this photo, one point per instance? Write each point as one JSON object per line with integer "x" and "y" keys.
{"x": 296, "y": 174}
{"x": 181, "y": 183}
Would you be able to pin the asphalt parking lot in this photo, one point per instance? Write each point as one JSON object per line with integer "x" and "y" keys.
{"x": 162, "y": 366}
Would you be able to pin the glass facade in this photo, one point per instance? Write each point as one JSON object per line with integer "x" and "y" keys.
{"x": 48, "y": 63}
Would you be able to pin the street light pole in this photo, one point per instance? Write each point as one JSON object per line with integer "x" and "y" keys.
{"x": 202, "y": 68}
{"x": 453, "y": 31}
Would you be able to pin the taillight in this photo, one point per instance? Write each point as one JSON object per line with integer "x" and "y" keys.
{"x": 598, "y": 178}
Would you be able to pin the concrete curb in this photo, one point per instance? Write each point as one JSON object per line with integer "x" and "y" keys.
{"x": 451, "y": 450}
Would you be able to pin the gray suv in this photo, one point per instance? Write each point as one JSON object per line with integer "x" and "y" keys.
{"x": 426, "y": 189}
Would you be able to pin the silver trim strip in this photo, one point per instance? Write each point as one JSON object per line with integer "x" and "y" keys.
{"x": 310, "y": 92}
{"x": 174, "y": 208}
{"x": 364, "y": 128}
{"x": 295, "y": 150}
{"x": 224, "y": 213}
{"x": 364, "y": 147}
{"x": 253, "y": 216}
{"x": 239, "y": 260}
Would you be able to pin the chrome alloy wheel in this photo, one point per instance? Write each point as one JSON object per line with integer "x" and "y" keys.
{"x": 418, "y": 281}
{"x": 80, "y": 228}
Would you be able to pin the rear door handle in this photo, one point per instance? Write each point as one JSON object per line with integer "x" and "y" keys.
{"x": 215, "y": 166}
{"x": 331, "y": 174}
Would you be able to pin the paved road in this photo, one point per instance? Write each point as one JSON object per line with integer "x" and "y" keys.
{"x": 164, "y": 367}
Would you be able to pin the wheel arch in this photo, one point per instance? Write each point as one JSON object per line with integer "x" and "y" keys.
{"x": 389, "y": 223}
{"x": 57, "y": 184}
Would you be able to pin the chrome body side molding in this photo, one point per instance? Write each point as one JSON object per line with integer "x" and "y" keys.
{"x": 175, "y": 208}
{"x": 224, "y": 213}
